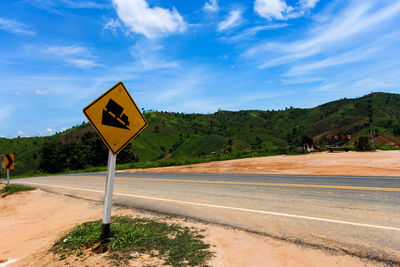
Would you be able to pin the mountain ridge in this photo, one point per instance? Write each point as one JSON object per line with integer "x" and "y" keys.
{"x": 178, "y": 136}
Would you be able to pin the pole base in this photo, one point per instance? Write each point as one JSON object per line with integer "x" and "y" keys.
{"x": 105, "y": 236}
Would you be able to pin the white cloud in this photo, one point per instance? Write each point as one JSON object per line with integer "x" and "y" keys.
{"x": 14, "y": 27}
{"x": 82, "y": 63}
{"x": 46, "y": 132}
{"x": 389, "y": 80}
{"x": 22, "y": 134}
{"x": 271, "y": 8}
{"x": 211, "y": 6}
{"x": 308, "y": 3}
{"x": 83, "y": 4}
{"x": 343, "y": 30}
{"x": 52, "y": 5}
{"x": 151, "y": 22}
{"x": 182, "y": 87}
{"x": 350, "y": 48}
{"x": 233, "y": 19}
{"x": 16, "y": 92}
{"x": 77, "y": 56}
{"x": 251, "y": 32}
{"x": 112, "y": 25}
{"x": 280, "y": 10}
{"x": 181, "y": 90}
{"x": 41, "y": 92}
{"x": 361, "y": 53}
{"x": 371, "y": 78}
{"x": 202, "y": 105}
{"x": 30, "y": 92}
{"x": 148, "y": 57}
{"x": 71, "y": 50}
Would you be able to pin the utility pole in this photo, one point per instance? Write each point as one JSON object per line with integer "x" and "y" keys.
{"x": 372, "y": 139}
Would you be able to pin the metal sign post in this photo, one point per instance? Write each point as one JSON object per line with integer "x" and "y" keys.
{"x": 8, "y": 177}
{"x": 105, "y": 229}
{"x": 116, "y": 118}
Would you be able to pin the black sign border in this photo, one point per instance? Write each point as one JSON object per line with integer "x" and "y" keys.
{"x": 97, "y": 130}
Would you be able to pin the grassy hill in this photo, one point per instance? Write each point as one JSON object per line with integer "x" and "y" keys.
{"x": 174, "y": 138}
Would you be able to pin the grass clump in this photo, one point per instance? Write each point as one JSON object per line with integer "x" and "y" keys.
{"x": 8, "y": 190}
{"x": 174, "y": 244}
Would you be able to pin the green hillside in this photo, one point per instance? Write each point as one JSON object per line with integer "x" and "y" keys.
{"x": 174, "y": 138}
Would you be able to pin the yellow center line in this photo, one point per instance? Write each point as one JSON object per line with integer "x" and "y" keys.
{"x": 368, "y": 188}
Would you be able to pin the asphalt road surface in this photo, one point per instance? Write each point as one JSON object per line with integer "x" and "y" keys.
{"x": 357, "y": 215}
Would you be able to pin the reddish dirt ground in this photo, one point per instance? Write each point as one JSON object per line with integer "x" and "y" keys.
{"x": 379, "y": 163}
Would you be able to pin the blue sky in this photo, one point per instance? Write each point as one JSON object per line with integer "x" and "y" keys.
{"x": 56, "y": 56}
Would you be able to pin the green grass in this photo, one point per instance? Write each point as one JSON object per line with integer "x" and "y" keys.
{"x": 13, "y": 189}
{"x": 176, "y": 245}
{"x": 387, "y": 147}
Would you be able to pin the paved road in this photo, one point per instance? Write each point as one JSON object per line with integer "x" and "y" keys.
{"x": 358, "y": 215}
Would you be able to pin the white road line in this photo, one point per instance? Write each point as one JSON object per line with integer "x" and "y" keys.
{"x": 231, "y": 208}
{"x": 8, "y": 262}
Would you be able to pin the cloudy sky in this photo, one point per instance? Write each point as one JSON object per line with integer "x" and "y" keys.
{"x": 56, "y": 56}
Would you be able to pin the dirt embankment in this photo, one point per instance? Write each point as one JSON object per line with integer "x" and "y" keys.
{"x": 31, "y": 222}
{"x": 380, "y": 163}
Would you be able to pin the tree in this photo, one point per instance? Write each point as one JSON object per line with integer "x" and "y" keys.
{"x": 52, "y": 157}
{"x": 90, "y": 151}
{"x": 96, "y": 152}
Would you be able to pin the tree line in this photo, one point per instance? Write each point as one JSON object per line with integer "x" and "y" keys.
{"x": 57, "y": 156}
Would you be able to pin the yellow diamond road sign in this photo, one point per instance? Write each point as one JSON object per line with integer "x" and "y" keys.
{"x": 8, "y": 162}
{"x": 115, "y": 117}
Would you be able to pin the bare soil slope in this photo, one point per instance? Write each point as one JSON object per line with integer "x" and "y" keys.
{"x": 30, "y": 223}
{"x": 380, "y": 163}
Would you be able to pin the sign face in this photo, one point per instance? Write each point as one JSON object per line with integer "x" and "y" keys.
{"x": 115, "y": 117}
{"x": 8, "y": 162}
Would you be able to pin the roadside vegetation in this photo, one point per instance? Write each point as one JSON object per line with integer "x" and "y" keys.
{"x": 132, "y": 237}
{"x": 5, "y": 191}
{"x": 181, "y": 138}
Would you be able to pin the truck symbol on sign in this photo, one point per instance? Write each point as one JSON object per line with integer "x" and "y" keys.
{"x": 112, "y": 116}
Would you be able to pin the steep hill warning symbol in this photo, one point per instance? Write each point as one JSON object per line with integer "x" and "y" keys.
{"x": 115, "y": 117}
{"x": 112, "y": 116}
